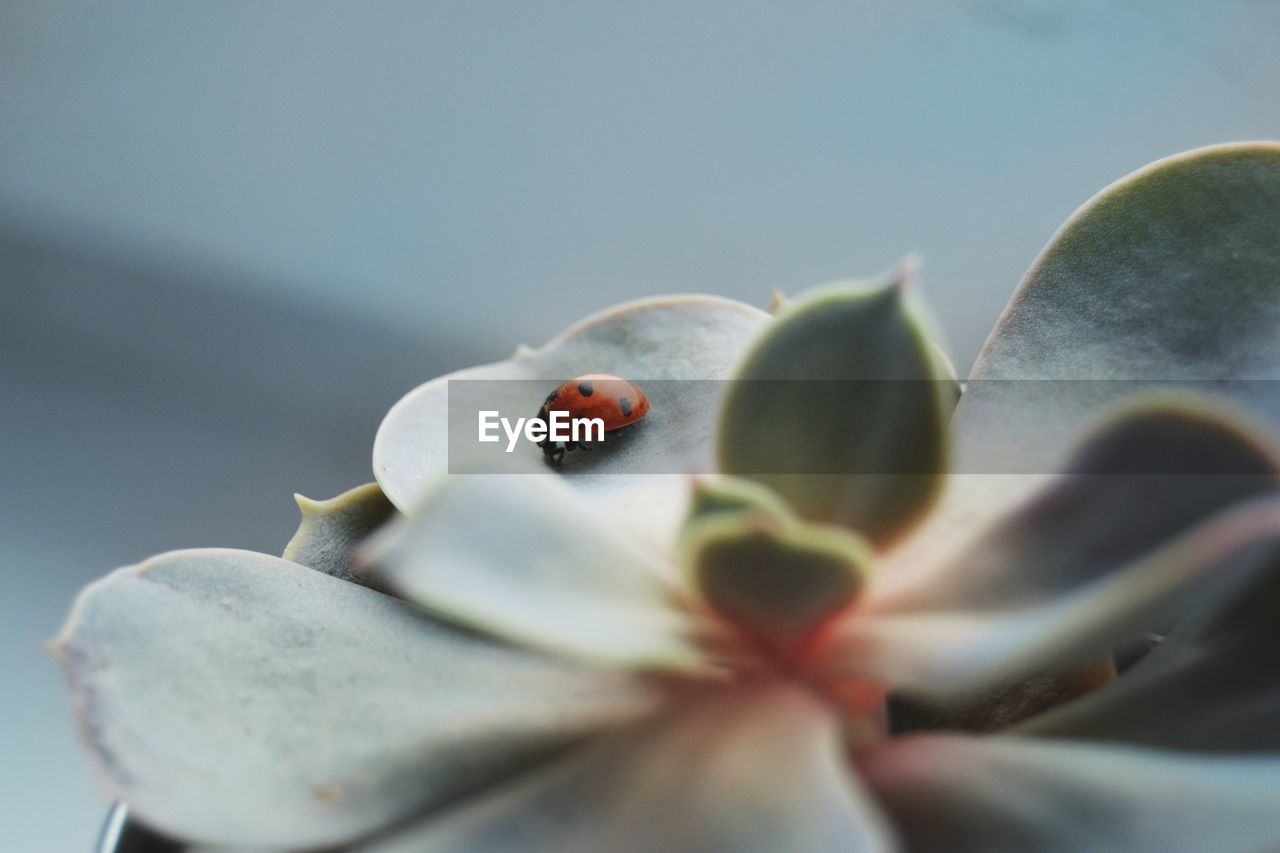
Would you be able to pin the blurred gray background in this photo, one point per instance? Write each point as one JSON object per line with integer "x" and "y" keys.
{"x": 231, "y": 235}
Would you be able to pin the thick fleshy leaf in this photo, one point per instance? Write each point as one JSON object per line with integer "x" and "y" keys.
{"x": 1222, "y": 696}
{"x": 238, "y": 698}
{"x": 1018, "y": 794}
{"x": 1170, "y": 274}
{"x": 752, "y": 770}
{"x": 994, "y": 709}
{"x": 841, "y": 407}
{"x": 954, "y": 652}
{"x": 1149, "y": 471}
{"x": 1165, "y": 505}
{"x": 1212, "y": 684}
{"x": 665, "y": 338}
{"x": 780, "y": 581}
{"x": 330, "y": 530}
{"x": 522, "y": 556}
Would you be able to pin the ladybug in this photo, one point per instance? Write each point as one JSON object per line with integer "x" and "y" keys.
{"x": 616, "y": 401}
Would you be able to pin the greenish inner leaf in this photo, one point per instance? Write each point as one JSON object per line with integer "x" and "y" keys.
{"x": 841, "y": 408}
{"x": 778, "y": 581}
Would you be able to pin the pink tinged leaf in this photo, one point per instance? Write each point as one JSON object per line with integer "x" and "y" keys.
{"x": 752, "y": 770}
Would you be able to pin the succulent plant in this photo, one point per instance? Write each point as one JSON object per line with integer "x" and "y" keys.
{"x": 885, "y": 616}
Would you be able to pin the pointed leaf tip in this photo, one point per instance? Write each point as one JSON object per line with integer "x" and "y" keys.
{"x": 330, "y": 530}
{"x": 733, "y": 494}
{"x": 908, "y": 272}
{"x": 306, "y": 505}
{"x": 56, "y": 649}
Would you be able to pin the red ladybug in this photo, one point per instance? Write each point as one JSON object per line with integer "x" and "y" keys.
{"x": 612, "y": 399}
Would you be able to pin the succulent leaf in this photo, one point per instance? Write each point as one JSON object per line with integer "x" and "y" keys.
{"x": 1211, "y": 697}
{"x": 1112, "y": 549}
{"x": 330, "y": 530}
{"x": 841, "y": 407}
{"x": 756, "y": 772}
{"x": 996, "y": 709}
{"x": 240, "y": 699}
{"x": 1212, "y": 684}
{"x": 664, "y": 338}
{"x": 521, "y": 556}
{"x": 778, "y": 580}
{"x": 1171, "y": 274}
{"x": 966, "y": 795}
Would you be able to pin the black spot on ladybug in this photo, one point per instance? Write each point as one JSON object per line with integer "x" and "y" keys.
{"x": 586, "y": 389}
{"x": 625, "y": 405}
{"x": 551, "y": 398}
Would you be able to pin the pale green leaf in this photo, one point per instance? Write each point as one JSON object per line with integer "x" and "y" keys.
{"x": 777, "y": 579}
{"x": 1166, "y": 505}
{"x": 522, "y": 556}
{"x": 750, "y": 770}
{"x": 330, "y": 530}
{"x": 841, "y": 407}
{"x": 1171, "y": 274}
{"x": 664, "y": 338}
{"x": 240, "y": 699}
